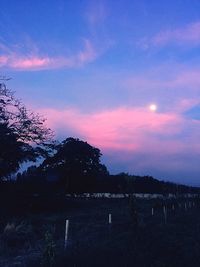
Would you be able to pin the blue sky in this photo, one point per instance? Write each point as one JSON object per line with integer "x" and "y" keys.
{"x": 93, "y": 68}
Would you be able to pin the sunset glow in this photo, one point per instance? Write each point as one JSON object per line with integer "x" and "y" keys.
{"x": 122, "y": 75}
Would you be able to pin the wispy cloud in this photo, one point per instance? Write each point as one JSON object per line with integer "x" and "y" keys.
{"x": 189, "y": 35}
{"x": 32, "y": 59}
{"x": 96, "y": 13}
{"x": 96, "y": 17}
{"x": 185, "y": 79}
{"x": 28, "y": 63}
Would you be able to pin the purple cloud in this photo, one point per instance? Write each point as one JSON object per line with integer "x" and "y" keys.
{"x": 33, "y": 60}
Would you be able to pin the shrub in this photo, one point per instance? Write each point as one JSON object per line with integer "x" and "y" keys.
{"x": 15, "y": 235}
{"x": 48, "y": 257}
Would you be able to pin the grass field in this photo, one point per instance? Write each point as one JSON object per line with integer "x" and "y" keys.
{"x": 36, "y": 237}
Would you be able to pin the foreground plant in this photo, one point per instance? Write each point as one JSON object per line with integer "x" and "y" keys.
{"x": 48, "y": 257}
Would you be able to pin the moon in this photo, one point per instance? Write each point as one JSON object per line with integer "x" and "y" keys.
{"x": 153, "y": 107}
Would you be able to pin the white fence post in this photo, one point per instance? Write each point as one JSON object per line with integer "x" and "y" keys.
{"x": 66, "y": 232}
{"x": 165, "y": 213}
{"x": 152, "y": 211}
{"x": 110, "y": 219}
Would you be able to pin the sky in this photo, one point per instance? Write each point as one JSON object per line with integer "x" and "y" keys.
{"x": 93, "y": 68}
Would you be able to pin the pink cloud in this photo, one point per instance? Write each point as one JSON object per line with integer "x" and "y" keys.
{"x": 29, "y": 62}
{"x": 3, "y": 60}
{"x": 134, "y": 139}
{"x": 123, "y": 128}
{"x": 33, "y": 61}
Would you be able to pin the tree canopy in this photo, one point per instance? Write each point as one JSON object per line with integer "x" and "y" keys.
{"x": 77, "y": 164}
{"x": 23, "y": 135}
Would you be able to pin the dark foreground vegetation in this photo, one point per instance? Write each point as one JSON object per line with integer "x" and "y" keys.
{"x": 135, "y": 237}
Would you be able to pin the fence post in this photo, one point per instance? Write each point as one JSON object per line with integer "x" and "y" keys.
{"x": 185, "y": 206}
{"x": 66, "y": 232}
{"x": 152, "y": 211}
{"x": 110, "y": 219}
{"x": 165, "y": 213}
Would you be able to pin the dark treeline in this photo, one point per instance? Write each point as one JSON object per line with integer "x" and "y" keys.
{"x": 76, "y": 168}
{"x": 32, "y": 181}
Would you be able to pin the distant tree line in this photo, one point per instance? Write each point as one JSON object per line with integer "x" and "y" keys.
{"x": 37, "y": 181}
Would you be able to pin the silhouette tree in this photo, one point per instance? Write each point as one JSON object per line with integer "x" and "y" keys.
{"x": 23, "y": 135}
{"x": 77, "y": 164}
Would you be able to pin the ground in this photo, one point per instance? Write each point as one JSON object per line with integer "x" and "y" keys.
{"x": 35, "y": 236}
